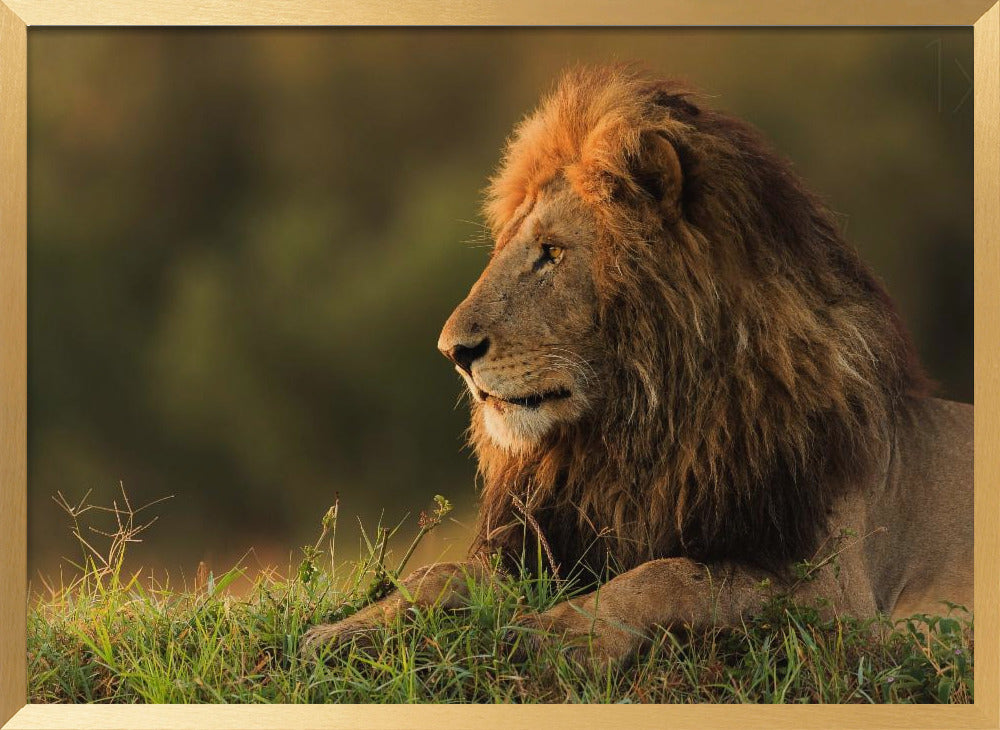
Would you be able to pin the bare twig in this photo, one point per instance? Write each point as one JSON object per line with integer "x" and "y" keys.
{"x": 533, "y": 523}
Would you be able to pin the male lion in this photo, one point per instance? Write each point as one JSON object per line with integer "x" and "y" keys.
{"x": 685, "y": 381}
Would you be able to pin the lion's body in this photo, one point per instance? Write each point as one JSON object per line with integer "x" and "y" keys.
{"x": 925, "y": 504}
{"x": 685, "y": 381}
{"x": 912, "y": 523}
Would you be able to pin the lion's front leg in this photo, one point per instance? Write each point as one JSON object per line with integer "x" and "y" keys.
{"x": 441, "y": 584}
{"x": 613, "y": 622}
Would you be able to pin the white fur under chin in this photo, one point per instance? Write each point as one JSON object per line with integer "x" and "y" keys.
{"x": 517, "y": 429}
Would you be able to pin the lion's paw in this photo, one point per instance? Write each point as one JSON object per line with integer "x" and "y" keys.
{"x": 537, "y": 633}
{"x": 578, "y": 639}
{"x": 331, "y": 638}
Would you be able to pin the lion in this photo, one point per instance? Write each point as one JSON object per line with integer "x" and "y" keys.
{"x": 684, "y": 383}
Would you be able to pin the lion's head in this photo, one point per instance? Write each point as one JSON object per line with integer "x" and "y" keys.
{"x": 672, "y": 349}
{"x": 526, "y": 338}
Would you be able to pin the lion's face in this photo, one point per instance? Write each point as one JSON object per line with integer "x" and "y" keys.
{"x": 525, "y": 338}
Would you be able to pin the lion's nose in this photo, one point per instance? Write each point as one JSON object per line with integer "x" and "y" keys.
{"x": 464, "y": 355}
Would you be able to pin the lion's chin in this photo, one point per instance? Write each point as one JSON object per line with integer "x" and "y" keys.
{"x": 519, "y": 429}
{"x": 516, "y": 429}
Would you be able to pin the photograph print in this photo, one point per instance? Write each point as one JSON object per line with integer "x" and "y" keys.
{"x": 500, "y": 366}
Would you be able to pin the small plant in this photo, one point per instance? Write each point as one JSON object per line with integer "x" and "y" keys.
{"x": 381, "y": 579}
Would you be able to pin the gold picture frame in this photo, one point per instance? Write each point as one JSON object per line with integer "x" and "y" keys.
{"x": 17, "y": 16}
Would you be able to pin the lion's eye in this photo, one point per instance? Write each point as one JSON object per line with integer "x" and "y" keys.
{"x": 552, "y": 252}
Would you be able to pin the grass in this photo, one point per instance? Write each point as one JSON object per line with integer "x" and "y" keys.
{"x": 109, "y": 636}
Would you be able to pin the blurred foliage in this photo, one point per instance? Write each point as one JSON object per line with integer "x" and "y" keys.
{"x": 243, "y": 244}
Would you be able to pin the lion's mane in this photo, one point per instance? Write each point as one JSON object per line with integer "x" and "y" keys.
{"x": 752, "y": 364}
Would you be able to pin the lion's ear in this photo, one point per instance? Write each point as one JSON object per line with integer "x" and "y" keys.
{"x": 658, "y": 173}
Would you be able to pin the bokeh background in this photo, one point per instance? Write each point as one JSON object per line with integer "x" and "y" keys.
{"x": 243, "y": 243}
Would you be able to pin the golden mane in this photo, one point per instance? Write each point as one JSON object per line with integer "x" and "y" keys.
{"x": 753, "y": 364}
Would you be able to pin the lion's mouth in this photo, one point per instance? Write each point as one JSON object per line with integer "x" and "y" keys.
{"x": 528, "y": 401}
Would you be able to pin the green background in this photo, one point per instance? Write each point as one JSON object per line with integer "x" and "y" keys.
{"x": 243, "y": 244}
